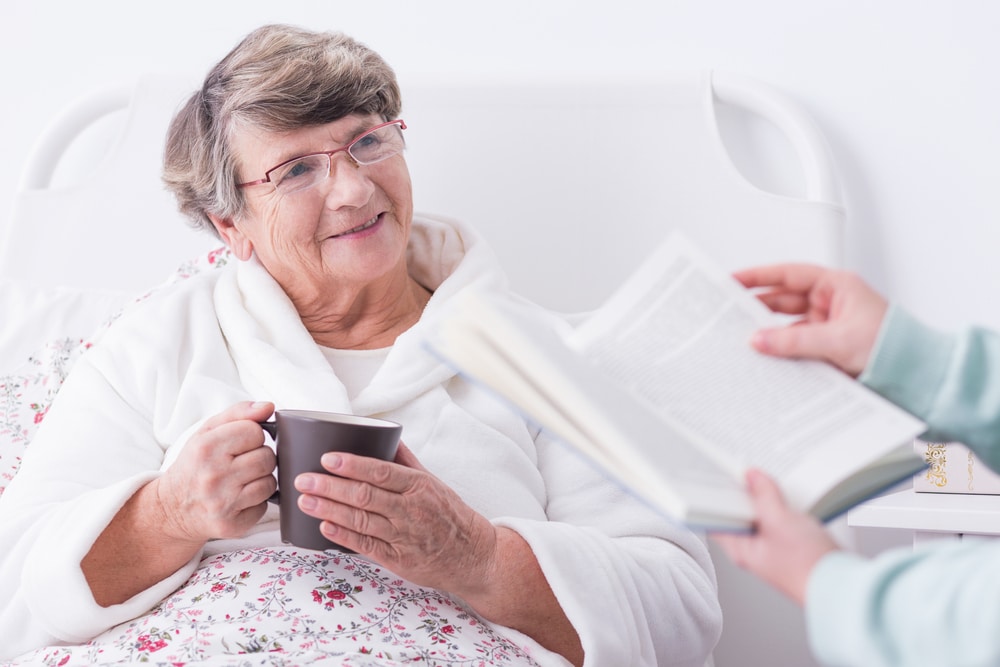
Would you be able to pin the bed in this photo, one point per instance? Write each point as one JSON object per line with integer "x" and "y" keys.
{"x": 570, "y": 182}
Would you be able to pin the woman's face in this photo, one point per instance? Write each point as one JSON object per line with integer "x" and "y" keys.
{"x": 347, "y": 232}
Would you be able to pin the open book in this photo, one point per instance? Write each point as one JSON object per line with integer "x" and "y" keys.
{"x": 661, "y": 388}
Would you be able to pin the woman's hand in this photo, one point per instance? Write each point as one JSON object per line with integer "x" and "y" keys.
{"x": 217, "y": 488}
{"x": 219, "y": 485}
{"x": 403, "y": 517}
{"x": 785, "y": 545}
{"x": 841, "y": 314}
{"x": 406, "y": 519}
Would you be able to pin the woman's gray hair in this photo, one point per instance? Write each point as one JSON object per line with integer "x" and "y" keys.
{"x": 278, "y": 78}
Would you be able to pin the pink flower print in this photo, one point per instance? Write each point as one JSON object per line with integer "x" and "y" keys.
{"x": 147, "y": 643}
{"x": 218, "y": 256}
{"x": 40, "y": 411}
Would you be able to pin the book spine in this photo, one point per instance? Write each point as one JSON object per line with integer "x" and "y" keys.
{"x": 953, "y": 468}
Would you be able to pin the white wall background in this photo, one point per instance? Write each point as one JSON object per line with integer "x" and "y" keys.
{"x": 906, "y": 93}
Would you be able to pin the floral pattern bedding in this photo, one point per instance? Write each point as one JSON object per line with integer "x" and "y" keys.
{"x": 280, "y": 606}
{"x": 287, "y": 606}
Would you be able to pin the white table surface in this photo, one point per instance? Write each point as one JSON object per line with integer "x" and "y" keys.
{"x": 937, "y": 512}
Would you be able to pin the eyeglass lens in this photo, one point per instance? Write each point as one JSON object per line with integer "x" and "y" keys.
{"x": 305, "y": 172}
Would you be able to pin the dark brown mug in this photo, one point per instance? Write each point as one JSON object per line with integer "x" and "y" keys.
{"x": 301, "y": 438}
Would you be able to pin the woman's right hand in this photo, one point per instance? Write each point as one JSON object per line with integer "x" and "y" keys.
{"x": 217, "y": 488}
{"x": 219, "y": 485}
{"x": 841, "y": 314}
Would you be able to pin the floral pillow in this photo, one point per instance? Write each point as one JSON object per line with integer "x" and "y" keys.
{"x": 25, "y": 396}
{"x": 62, "y": 324}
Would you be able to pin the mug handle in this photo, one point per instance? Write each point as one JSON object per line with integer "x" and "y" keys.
{"x": 271, "y": 428}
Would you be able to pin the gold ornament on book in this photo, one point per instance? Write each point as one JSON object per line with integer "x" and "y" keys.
{"x": 972, "y": 461}
{"x": 936, "y": 458}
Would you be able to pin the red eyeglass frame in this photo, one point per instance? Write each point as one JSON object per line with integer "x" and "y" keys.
{"x": 267, "y": 174}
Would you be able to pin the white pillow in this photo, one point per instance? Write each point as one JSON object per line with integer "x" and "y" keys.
{"x": 34, "y": 316}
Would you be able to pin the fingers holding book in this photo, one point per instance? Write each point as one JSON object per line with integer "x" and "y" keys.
{"x": 785, "y": 545}
{"x": 840, "y": 314}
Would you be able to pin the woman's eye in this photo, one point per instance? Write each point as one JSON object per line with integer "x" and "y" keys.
{"x": 366, "y": 145}
{"x": 298, "y": 170}
{"x": 298, "y": 174}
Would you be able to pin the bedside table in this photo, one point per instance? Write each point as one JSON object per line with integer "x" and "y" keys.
{"x": 931, "y": 516}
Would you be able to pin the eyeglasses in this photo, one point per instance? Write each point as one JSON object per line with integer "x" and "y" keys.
{"x": 300, "y": 173}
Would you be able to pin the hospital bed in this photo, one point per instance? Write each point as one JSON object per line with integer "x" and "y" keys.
{"x": 572, "y": 182}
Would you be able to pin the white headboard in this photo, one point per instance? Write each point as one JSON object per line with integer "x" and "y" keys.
{"x": 570, "y": 181}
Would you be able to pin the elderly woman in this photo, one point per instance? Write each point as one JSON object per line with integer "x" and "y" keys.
{"x": 150, "y": 472}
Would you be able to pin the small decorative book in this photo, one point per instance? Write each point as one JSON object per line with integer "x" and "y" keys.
{"x": 953, "y": 468}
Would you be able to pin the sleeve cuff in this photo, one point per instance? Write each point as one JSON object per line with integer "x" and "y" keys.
{"x": 615, "y": 623}
{"x": 64, "y": 603}
{"x": 830, "y": 602}
{"x": 909, "y": 363}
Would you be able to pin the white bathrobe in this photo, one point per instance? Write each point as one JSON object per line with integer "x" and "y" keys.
{"x": 638, "y": 589}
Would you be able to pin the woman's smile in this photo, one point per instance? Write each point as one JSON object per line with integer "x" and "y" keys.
{"x": 357, "y": 231}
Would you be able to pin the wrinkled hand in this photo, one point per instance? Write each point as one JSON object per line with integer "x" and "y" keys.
{"x": 219, "y": 485}
{"x": 785, "y": 545}
{"x": 402, "y": 517}
{"x": 841, "y": 314}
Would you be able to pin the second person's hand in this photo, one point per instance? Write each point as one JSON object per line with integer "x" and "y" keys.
{"x": 840, "y": 313}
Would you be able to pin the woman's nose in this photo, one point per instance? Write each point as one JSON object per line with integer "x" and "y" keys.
{"x": 347, "y": 183}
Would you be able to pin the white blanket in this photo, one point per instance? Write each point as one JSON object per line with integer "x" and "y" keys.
{"x": 639, "y": 590}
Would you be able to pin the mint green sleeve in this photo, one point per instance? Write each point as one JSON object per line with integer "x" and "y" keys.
{"x": 951, "y": 381}
{"x": 932, "y": 606}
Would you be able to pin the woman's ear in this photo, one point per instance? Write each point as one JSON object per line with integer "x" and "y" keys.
{"x": 234, "y": 238}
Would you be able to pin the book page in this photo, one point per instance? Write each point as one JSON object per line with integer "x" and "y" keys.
{"x": 526, "y": 362}
{"x": 678, "y": 334}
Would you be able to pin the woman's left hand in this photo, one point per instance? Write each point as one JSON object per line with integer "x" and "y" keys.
{"x": 402, "y": 517}
{"x": 407, "y": 520}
